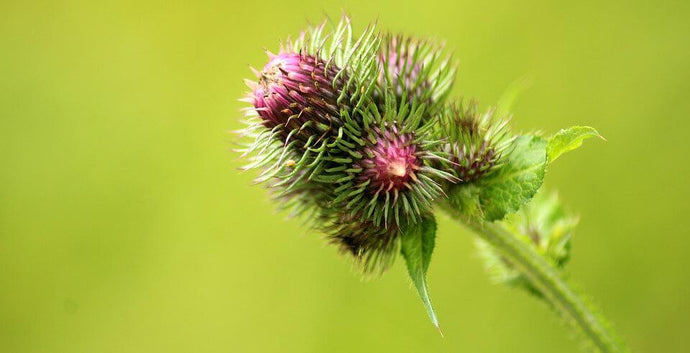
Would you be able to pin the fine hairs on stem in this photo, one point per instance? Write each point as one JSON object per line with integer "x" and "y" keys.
{"x": 562, "y": 296}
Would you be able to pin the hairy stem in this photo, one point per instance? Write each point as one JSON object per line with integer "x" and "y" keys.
{"x": 565, "y": 299}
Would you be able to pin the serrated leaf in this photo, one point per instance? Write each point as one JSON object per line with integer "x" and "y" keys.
{"x": 516, "y": 182}
{"x": 417, "y": 244}
{"x": 569, "y": 139}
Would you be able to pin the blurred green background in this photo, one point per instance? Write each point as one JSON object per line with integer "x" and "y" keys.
{"x": 125, "y": 226}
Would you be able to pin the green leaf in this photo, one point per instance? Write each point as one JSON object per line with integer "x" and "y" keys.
{"x": 516, "y": 182}
{"x": 417, "y": 244}
{"x": 568, "y": 140}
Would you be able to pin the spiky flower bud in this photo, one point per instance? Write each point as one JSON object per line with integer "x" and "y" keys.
{"x": 385, "y": 184}
{"x": 400, "y": 69}
{"x": 477, "y": 141}
{"x": 391, "y": 161}
{"x": 302, "y": 101}
{"x": 391, "y": 180}
{"x": 415, "y": 70}
{"x": 298, "y": 94}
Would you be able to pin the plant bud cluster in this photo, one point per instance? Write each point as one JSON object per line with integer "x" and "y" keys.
{"x": 359, "y": 134}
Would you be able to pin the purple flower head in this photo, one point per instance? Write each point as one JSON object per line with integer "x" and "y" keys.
{"x": 391, "y": 163}
{"x": 477, "y": 141}
{"x": 401, "y": 71}
{"x": 296, "y": 93}
{"x": 414, "y": 70}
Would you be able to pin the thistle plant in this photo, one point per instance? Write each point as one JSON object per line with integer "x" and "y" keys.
{"x": 358, "y": 136}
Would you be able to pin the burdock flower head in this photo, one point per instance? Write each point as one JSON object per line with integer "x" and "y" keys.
{"x": 297, "y": 97}
{"x": 391, "y": 162}
{"x": 387, "y": 183}
{"x": 476, "y": 142}
{"x": 303, "y": 98}
{"x": 391, "y": 180}
{"x": 415, "y": 69}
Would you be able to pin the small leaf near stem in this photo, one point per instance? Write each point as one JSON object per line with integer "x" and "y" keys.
{"x": 417, "y": 244}
{"x": 569, "y": 139}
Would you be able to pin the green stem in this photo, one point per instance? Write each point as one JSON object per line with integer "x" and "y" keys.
{"x": 550, "y": 282}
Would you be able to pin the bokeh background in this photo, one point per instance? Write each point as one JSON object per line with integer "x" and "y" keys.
{"x": 126, "y": 227}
